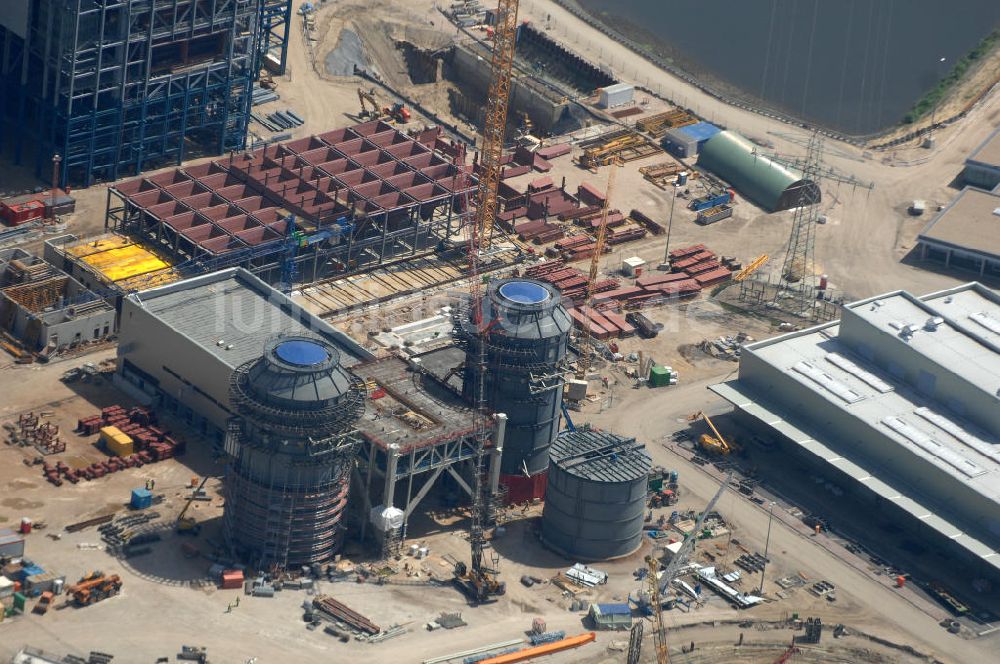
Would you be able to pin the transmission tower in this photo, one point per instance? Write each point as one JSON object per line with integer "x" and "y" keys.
{"x": 796, "y": 289}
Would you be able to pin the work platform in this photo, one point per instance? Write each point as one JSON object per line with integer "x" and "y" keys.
{"x": 413, "y": 431}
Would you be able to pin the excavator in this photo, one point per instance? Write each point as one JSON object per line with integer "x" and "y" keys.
{"x": 397, "y": 111}
{"x": 94, "y": 587}
{"x": 712, "y": 444}
{"x": 187, "y": 525}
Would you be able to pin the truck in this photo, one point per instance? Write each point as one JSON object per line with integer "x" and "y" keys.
{"x": 647, "y": 329}
{"x": 94, "y": 587}
{"x": 711, "y": 200}
{"x": 44, "y": 603}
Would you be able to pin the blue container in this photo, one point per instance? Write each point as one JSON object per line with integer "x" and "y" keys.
{"x": 27, "y": 571}
{"x": 141, "y": 499}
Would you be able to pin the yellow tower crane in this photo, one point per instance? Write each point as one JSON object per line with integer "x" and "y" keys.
{"x": 497, "y": 103}
{"x": 602, "y": 235}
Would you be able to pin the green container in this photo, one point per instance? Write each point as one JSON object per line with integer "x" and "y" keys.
{"x": 659, "y": 376}
{"x": 19, "y": 602}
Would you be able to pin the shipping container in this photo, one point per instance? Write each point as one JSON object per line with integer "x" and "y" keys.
{"x": 116, "y": 442}
{"x": 141, "y": 499}
{"x": 711, "y": 201}
{"x": 616, "y": 95}
{"x": 11, "y": 544}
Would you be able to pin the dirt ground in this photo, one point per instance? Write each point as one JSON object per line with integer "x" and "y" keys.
{"x": 166, "y": 583}
{"x": 165, "y": 604}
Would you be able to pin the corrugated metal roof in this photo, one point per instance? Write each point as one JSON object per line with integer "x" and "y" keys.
{"x": 732, "y": 157}
{"x": 238, "y": 309}
{"x": 600, "y": 456}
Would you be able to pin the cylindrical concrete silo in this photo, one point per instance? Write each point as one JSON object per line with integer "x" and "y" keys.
{"x": 596, "y": 496}
{"x": 290, "y": 448}
{"x": 527, "y": 334}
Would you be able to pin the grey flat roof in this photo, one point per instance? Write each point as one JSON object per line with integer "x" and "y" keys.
{"x": 746, "y": 400}
{"x": 969, "y": 222}
{"x": 234, "y": 308}
{"x": 988, "y": 152}
{"x": 600, "y": 456}
{"x": 963, "y": 350}
{"x": 820, "y": 362}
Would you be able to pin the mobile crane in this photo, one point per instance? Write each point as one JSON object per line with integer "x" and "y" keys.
{"x": 712, "y": 444}
{"x": 187, "y": 525}
{"x": 94, "y": 587}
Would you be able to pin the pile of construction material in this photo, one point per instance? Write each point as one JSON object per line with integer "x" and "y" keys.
{"x": 130, "y": 436}
{"x": 658, "y": 125}
{"x": 700, "y": 264}
{"x": 602, "y": 325}
{"x": 694, "y": 268}
{"x": 466, "y": 14}
{"x": 570, "y": 282}
{"x": 663, "y": 173}
{"x": 279, "y": 120}
{"x": 31, "y": 430}
{"x": 261, "y": 95}
{"x": 621, "y": 146}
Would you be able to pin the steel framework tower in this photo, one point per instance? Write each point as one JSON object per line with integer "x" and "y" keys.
{"x": 795, "y": 292}
{"x": 276, "y": 23}
{"x": 800, "y": 256}
{"x": 116, "y": 87}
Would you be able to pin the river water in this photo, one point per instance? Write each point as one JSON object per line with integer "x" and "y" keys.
{"x": 856, "y": 66}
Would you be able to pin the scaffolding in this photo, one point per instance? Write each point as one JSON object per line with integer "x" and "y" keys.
{"x": 116, "y": 87}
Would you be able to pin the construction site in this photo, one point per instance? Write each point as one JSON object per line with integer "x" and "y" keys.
{"x": 451, "y": 334}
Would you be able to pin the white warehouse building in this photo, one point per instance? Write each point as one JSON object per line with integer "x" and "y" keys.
{"x": 899, "y": 403}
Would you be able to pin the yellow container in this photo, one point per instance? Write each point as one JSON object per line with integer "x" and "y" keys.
{"x": 116, "y": 442}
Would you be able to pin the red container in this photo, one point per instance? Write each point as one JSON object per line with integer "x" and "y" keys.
{"x": 232, "y": 579}
{"x": 25, "y": 526}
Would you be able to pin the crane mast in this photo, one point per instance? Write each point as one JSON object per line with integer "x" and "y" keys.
{"x": 479, "y": 581}
{"x": 658, "y": 587}
{"x": 495, "y": 124}
{"x": 595, "y": 260}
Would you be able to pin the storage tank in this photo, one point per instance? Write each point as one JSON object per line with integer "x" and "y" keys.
{"x": 596, "y": 496}
{"x": 290, "y": 449}
{"x": 527, "y": 340}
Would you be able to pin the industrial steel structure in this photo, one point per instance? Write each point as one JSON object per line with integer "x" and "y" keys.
{"x": 596, "y": 496}
{"x": 304, "y": 209}
{"x": 116, "y": 87}
{"x": 895, "y": 405}
{"x": 526, "y": 337}
{"x": 290, "y": 450}
{"x": 415, "y": 434}
{"x": 181, "y": 343}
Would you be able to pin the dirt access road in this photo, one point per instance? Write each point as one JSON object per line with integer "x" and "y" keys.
{"x": 868, "y": 235}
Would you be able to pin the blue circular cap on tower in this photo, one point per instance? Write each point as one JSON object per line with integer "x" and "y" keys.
{"x": 524, "y": 292}
{"x": 301, "y": 353}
